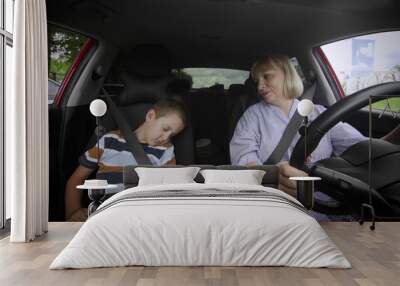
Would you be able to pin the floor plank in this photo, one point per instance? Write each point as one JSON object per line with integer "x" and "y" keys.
{"x": 374, "y": 255}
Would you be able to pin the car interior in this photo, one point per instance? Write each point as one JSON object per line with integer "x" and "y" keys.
{"x": 134, "y": 51}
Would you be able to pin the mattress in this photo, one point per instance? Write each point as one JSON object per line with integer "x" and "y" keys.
{"x": 201, "y": 225}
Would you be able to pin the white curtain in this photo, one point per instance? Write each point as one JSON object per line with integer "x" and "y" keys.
{"x": 27, "y": 124}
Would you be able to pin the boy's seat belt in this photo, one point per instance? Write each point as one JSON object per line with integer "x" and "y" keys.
{"x": 290, "y": 131}
{"x": 130, "y": 136}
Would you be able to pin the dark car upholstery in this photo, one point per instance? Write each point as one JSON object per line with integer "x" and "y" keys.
{"x": 146, "y": 78}
{"x": 240, "y": 97}
{"x": 210, "y": 121}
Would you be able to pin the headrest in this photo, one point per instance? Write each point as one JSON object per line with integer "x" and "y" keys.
{"x": 249, "y": 82}
{"x": 179, "y": 86}
{"x": 251, "y": 87}
{"x": 142, "y": 89}
{"x": 237, "y": 90}
{"x": 148, "y": 60}
{"x": 217, "y": 88}
{"x": 271, "y": 177}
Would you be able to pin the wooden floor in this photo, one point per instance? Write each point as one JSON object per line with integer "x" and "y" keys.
{"x": 375, "y": 257}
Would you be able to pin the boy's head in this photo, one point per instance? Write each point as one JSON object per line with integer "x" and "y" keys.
{"x": 163, "y": 121}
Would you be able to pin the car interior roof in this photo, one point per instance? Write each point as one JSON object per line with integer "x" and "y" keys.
{"x": 224, "y": 33}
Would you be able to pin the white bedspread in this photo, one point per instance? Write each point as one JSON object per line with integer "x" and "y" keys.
{"x": 200, "y": 231}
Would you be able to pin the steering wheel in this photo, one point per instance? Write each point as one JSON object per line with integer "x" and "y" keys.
{"x": 336, "y": 113}
{"x": 323, "y": 123}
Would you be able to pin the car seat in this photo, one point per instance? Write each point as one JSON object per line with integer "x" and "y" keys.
{"x": 146, "y": 77}
{"x": 209, "y": 116}
{"x": 240, "y": 97}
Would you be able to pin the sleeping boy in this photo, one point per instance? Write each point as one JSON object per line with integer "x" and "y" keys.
{"x": 163, "y": 121}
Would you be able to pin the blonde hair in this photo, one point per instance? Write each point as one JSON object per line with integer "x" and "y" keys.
{"x": 292, "y": 85}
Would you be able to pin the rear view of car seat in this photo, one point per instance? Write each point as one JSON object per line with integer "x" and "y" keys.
{"x": 240, "y": 97}
{"x": 209, "y": 123}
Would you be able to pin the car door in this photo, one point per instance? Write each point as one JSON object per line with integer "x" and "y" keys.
{"x": 66, "y": 52}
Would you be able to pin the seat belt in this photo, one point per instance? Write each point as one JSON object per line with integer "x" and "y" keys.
{"x": 130, "y": 136}
{"x": 290, "y": 132}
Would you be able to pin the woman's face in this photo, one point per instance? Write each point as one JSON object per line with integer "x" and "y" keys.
{"x": 270, "y": 84}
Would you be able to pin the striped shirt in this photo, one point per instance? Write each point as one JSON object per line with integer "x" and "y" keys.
{"x": 114, "y": 154}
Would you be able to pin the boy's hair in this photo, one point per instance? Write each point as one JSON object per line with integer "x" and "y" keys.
{"x": 292, "y": 85}
{"x": 170, "y": 105}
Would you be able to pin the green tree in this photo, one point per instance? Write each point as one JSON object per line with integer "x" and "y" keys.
{"x": 64, "y": 46}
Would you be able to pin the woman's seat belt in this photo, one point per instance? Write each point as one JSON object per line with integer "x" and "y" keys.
{"x": 290, "y": 131}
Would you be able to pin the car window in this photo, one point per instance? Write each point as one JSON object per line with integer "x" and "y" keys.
{"x": 64, "y": 46}
{"x": 364, "y": 61}
{"x": 207, "y": 77}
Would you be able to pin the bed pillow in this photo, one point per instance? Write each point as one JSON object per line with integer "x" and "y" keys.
{"x": 164, "y": 176}
{"x": 248, "y": 177}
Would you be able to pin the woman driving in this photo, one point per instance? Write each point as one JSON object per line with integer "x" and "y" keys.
{"x": 260, "y": 128}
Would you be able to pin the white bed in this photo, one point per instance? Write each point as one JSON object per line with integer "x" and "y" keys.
{"x": 236, "y": 229}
